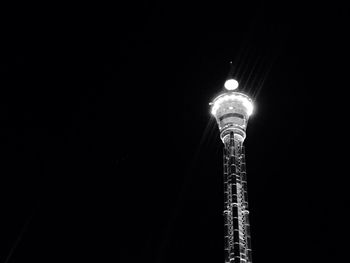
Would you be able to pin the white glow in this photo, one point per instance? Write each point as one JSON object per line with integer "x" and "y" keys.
{"x": 249, "y": 106}
{"x": 247, "y": 103}
{"x": 231, "y": 84}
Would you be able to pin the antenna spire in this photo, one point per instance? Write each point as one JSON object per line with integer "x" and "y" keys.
{"x": 230, "y": 72}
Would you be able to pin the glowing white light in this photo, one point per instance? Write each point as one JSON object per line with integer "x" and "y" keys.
{"x": 231, "y": 84}
{"x": 247, "y": 103}
{"x": 249, "y": 106}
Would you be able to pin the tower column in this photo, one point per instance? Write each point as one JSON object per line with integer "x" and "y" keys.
{"x": 232, "y": 111}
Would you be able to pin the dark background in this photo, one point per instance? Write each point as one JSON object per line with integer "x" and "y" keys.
{"x": 109, "y": 152}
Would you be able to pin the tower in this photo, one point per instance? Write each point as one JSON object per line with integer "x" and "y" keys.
{"x": 231, "y": 110}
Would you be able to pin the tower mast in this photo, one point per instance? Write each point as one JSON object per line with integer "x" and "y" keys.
{"x": 232, "y": 110}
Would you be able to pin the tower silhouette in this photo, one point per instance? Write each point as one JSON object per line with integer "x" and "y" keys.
{"x": 231, "y": 110}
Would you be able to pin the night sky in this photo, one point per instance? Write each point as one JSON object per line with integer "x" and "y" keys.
{"x": 109, "y": 152}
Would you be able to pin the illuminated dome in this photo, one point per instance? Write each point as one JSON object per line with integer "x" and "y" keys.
{"x": 232, "y": 111}
{"x": 231, "y": 84}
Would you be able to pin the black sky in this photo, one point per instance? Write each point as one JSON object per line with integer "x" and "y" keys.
{"x": 109, "y": 152}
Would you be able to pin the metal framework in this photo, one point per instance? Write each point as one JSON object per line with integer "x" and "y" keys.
{"x": 232, "y": 110}
{"x": 237, "y": 227}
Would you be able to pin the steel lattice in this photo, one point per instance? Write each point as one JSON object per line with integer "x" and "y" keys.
{"x": 237, "y": 228}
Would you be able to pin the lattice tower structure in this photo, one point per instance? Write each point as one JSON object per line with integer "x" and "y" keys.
{"x": 231, "y": 111}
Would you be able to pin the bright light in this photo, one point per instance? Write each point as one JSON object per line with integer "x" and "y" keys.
{"x": 231, "y": 84}
{"x": 249, "y": 107}
{"x": 246, "y": 102}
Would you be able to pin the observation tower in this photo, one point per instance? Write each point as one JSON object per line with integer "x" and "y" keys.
{"x": 231, "y": 110}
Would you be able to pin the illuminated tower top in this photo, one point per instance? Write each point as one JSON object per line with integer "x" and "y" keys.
{"x": 231, "y": 110}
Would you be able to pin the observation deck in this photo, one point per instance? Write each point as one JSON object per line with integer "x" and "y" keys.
{"x": 231, "y": 111}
